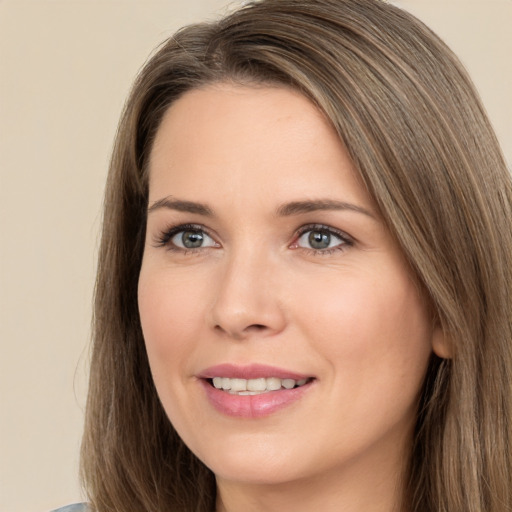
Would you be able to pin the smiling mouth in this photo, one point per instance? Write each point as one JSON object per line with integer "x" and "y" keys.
{"x": 258, "y": 386}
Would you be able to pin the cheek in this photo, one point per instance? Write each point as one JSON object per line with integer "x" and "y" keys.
{"x": 374, "y": 330}
{"x": 376, "y": 340}
{"x": 169, "y": 311}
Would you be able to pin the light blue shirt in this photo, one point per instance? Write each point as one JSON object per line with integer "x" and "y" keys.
{"x": 77, "y": 507}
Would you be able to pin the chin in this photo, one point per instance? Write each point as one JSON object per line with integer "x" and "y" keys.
{"x": 253, "y": 462}
{"x": 256, "y": 474}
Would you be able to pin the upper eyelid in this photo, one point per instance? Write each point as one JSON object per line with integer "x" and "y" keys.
{"x": 164, "y": 236}
{"x": 310, "y": 227}
{"x": 190, "y": 226}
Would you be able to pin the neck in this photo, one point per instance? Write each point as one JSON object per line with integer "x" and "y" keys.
{"x": 358, "y": 490}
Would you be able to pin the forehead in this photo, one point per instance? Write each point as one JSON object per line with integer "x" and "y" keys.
{"x": 219, "y": 112}
{"x": 233, "y": 139}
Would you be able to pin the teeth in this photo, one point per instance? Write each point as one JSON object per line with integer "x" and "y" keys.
{"x": 255, "y": 386}
{"x": 238, "y": 385}
{"x": 288, "y": 383}
{"x": 273, "y": 383}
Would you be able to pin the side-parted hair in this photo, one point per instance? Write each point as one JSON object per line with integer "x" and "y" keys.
{"x": 414, "y": 127}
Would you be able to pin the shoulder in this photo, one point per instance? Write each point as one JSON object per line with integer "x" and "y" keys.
{"x": 77, "y": 507}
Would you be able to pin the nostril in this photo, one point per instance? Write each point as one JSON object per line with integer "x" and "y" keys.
{"x": 240, "y": 334}
{"x": 255, "y": 327}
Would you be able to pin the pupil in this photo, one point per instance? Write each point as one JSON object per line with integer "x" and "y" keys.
{"x": 192, "y": 239}
{"x": 319, "y": 240}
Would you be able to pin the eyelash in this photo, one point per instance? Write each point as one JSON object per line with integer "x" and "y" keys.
{"x": 165, "y": 237}
{"x": 346, "y": 240}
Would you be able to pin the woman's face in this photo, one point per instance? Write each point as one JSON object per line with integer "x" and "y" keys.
{"x": 266, "y": 267}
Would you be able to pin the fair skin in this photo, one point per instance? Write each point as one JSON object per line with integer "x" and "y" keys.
{"x": 283, "y": 262}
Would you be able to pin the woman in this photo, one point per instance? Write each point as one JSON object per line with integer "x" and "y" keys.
{"x": 303, "y": 297}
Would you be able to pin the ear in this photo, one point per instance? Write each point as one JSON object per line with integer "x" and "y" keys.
{"x": 441, "y": 344}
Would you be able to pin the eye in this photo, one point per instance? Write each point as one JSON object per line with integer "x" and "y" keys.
{"x": 322, "y": 238}
{"x": 192, "y": 239}
{"x": 185, "y": 237}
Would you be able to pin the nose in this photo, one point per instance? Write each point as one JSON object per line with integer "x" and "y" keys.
{"x": 247, "y": 297}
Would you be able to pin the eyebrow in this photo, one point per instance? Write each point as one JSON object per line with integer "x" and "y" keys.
{"x": 181, "y": 206}
{"x": 298, "y": 207}
{"x": 285, "y": 210}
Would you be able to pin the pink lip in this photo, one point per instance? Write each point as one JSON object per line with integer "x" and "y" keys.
{"x": 251, "y": 406}
{"x": 252, "y": 371}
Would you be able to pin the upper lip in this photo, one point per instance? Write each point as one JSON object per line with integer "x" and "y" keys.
{"x": 251, "y": 371}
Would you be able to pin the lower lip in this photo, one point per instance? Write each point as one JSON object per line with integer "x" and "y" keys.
{"x": 252, "y": 406}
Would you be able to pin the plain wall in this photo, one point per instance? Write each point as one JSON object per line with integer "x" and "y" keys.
{"x": 65, "y": 69}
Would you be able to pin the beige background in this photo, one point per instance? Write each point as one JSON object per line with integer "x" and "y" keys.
{"x": 65, "y": 69}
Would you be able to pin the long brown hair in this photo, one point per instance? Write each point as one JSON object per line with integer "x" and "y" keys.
{"x": 410, "y": 119}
